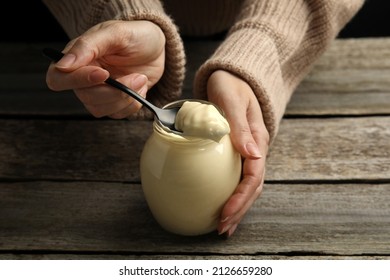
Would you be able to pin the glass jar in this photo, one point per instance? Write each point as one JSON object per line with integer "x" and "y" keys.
{"x": 187, "y": 180}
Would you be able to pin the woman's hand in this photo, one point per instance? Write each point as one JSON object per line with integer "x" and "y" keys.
{"x": 133, "y": 52}
{"x": 250, "y": 138}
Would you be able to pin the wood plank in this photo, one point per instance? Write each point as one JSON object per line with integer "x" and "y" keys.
{"x": 41, "y": 103}
{"x": 351, "y": 78}
{"x": 356, "y": 53}
{"x": 109, "y": 150}
{"x": 351, "y": 65}
{"x": 338, "y": 104}
{"x": 113, "y": 218}
{"x": 331, "y": 149}
{"x": 97, "y": 256}
{"x": 72, "y": 150}
{"x": 373, "y": 79}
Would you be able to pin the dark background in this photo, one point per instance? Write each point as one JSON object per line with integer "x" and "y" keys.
{"x": 32, "y": 22}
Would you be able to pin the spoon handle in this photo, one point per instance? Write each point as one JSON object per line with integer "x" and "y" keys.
{"x": 56, "y": 55}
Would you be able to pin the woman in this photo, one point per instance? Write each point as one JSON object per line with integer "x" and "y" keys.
{"x": 269, "y": 47}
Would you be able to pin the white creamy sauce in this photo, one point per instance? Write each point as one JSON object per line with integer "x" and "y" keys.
{"x": 201, "y": 120}
{"x": 187, "y": 178}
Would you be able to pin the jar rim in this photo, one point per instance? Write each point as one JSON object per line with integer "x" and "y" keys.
{"x": 178, "y": 103}
{"x": 177, "y": 136}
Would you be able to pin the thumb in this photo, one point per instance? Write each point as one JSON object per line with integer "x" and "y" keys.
{"x": 242, "y": 138}
{"x": 86, "y": 49}
{"x": 75, "y": 56}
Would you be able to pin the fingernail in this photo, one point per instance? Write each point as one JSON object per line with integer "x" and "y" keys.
{"x": 97, "y": 76}
{"x": 139, "y": 82}
{"x": 253, "y": 150}
{"x": 232, "y": 230}
{"x": 225, "y": 229}
{"x": 66, "y": 61}
{"x": 225, "y": 219}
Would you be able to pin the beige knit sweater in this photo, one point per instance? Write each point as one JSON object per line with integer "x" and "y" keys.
{"x": 271, "y": 44}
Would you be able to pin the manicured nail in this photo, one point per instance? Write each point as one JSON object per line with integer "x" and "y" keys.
{"x": 253, "y": 150}
{"x": 232, "y": 230}
{"x": 139, "y": 82}
{"x": 66, "y": 61}
{"x": 225, "y": 229}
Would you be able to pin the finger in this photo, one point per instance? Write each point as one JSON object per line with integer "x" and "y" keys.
{"x": 117, "y": 109}
{"x": 238, "y": 217}
{"x": 251, "y": 185}
{"x": 252, "y": 178}
{"x": 85, "y": 50}
{"x": 103, "y": 110}
{"x": 237, "y": 101}
{"x": 80, "y": 61}
{"x": 245, "y": 194}
{"x": 134, "y": 107}
{"x": 129, "y": 110}
{"x": 242, "y": 134}
{"x": 104, "y": 94}
{"x": 100, "y": 95}
{"x": 230, "y": 225}
{"x": 87, "y": 76}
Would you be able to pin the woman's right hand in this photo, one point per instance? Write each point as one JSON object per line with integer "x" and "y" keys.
{"x": 133, "y": 52}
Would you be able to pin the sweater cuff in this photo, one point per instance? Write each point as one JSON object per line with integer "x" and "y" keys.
{"x": 261, "y": 71}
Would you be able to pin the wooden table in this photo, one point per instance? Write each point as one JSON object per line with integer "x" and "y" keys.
{"x": 70, "y": 184}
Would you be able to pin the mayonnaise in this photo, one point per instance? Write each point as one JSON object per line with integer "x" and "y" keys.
{"x": 188, "y": 177}
{"x": 201, "y": 120}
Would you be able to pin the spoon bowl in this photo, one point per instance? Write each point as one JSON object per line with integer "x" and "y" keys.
{"x": 166, "y": 116}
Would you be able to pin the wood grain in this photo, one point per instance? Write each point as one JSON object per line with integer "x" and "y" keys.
{"x": 305, "y": 149}
{"x": 351, "y": 78}
{"x": 70, "y": 184}
{"x": 72, "y": 150}
{"x": 331, "y": 149}
{"x": 124, "y": 256}
{"x": 97, "y": 217}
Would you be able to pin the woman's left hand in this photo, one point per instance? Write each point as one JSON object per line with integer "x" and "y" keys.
{"x": 250, "y": 138}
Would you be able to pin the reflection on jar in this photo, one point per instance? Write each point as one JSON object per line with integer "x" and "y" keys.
{"x": 187, "y": 180}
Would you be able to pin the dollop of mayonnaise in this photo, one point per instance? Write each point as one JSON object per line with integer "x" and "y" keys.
{"x": 201, "y": 120}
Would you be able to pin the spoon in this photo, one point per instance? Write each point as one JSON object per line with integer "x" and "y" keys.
{"x": 165, "y": 116}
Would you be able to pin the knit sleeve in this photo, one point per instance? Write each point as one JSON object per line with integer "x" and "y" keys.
{"x": 272, "y": 46}
{"x": 77, "y": 16}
